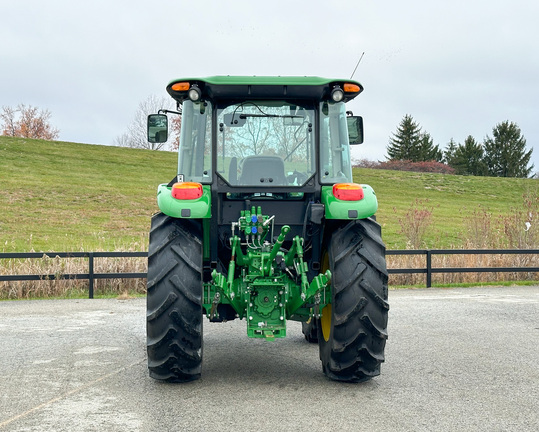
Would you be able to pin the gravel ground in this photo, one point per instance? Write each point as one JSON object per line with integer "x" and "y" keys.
{"x": 456, "y": 360}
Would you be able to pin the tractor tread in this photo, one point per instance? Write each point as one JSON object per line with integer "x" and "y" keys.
{"x": 355, "y": 348}
{"x": 174, "y": 300}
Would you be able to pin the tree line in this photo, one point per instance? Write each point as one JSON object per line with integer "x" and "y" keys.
{"x": 502, "y": 155}
{"x": 32, "y": 122}
{"x": 27, "y": 122}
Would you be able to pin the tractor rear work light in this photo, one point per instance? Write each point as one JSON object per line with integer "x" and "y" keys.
{"x": 186, "y": 191}
{"x": 194, "y": 93}
{"x": 348, "y": 191}
{"x": 337, "y": 94}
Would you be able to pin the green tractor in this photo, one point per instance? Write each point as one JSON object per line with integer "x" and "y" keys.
{"x": 264, "y": 223}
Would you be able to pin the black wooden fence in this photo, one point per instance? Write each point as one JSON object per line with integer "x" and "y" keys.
{"x": 91, "y": 276}
{"x": 429, "y": 253}
{"x": 428, "y": 270}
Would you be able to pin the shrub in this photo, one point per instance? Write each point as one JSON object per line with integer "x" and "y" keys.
{"x": 406, "y": 165}
{"x": 415, "y": 223}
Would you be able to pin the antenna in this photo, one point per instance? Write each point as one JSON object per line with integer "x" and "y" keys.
{"x": 358, "y": 62}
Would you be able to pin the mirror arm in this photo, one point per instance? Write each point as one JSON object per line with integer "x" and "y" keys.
{"x": 164, "y": 111}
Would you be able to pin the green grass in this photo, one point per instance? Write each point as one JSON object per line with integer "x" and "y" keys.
{"x": 453, "y": 199}
{"x": 57, "y": 196}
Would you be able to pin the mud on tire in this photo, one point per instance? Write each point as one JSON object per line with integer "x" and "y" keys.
{"x": 174, "y": 299}
{"x": 353, "y": 330}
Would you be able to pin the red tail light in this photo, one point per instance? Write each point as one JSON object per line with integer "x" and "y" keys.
{"x": 186, "y": 190}
{"x": 348, "y": 191}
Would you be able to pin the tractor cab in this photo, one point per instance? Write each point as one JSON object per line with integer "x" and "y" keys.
{"x": 264, "y": 133}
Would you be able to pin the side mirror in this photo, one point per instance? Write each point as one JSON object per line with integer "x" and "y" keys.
{"x": 157, "y": 128}
{"x": 355, "y": 129}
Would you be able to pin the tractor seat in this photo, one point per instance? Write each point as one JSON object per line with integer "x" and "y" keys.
{"x": 263, "y": 171}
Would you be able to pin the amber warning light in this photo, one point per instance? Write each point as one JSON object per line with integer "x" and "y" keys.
{"x": 351, "y": 88}
{"x": 180, "y": 86}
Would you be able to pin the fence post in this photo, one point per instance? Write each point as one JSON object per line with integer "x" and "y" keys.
{"x": 91, "y": 275}
{"x": 429, "y": 268}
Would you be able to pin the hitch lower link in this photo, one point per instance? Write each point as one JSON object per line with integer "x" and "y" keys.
{"x": 264, "y": 284}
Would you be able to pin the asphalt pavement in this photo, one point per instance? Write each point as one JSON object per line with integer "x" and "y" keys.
{"x": 456, "y": 360}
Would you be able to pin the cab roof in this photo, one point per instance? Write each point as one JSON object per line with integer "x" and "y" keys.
{"x": 261, "y": 87}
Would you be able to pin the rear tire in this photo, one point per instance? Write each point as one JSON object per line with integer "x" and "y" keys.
{"x": 353, "y": 328}
{"x": 174, "y": 299}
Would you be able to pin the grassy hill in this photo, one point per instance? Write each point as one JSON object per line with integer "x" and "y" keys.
{"x": 452, "y": 200}
{"x": 57, "y": 196}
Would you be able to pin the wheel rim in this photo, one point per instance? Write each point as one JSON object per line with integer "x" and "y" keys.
{"x": 325, "y": 322}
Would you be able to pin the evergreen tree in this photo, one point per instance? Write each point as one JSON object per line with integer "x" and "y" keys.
{"x": 410, "y": 143}
{"x": 505, "y": 152}
{"x": 405, "y": 140}
{"x": 427, "y": 151}
{"x": 449, "y": 153}
{"x": 468, "y": 159}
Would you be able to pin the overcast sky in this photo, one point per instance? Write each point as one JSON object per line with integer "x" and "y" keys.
{"x": 459, "y": 68}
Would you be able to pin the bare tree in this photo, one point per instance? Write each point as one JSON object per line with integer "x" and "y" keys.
{"x": 8, "y": 117}
{"x": 122, "y": 140}
{"x": 176, "y": 127}
{"x": 136, "y": 135}
{"x": 28, "y": 122}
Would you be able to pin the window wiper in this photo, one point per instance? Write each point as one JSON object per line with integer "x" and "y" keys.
{"x": 244, "y": 116}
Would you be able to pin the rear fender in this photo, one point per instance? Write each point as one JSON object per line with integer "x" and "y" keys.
{"x": 349, "y": 210}
{"x": 199, "y": 208}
